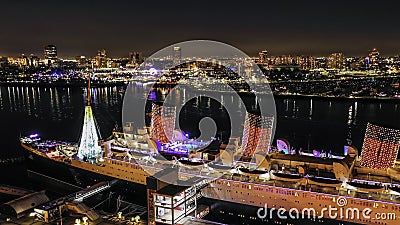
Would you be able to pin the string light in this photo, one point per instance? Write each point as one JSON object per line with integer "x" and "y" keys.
{"x": 89, "y": 146}
{"x": 380, "y": 148}
{"x": 162, "y": 122}
{"x": 257, "y": 134}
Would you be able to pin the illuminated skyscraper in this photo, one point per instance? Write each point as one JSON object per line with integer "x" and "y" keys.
{"x": 177, "y": 56}
{"x": 336, "y": 61}
{"x": 135, "y": 58}
{"x": 34, "y": 60}
{"x": 306, "y": 62}
{"x": 24, "y": 60}
{"x": 263, "y": 57}
{"x": 373, "y": 59}
{"x": 50, "y": 54}
{"x": 257, "y": 134}
{"x": 162, "y": 122}
{"x": 284, "y": 60}
{"x": 101, "y": 59}
{"x": 82, "y": 61}
{"x": 380, "y": 148}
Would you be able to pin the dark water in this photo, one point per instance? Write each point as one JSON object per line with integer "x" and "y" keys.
{"x": 57, "y": 113}
{"x": 307, "y": 123}
{"x": 330, "y": 124}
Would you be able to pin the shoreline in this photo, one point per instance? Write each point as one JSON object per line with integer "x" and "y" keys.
{"x": 337, "y": 98}
{"x": 60, "y": 84}
{"x": 121, "y": 83}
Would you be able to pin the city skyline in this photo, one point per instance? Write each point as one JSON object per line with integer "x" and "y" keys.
{"x": 336, "y": 61}
{"x": 128, "y": 53}
{"x": 297, "y": 28}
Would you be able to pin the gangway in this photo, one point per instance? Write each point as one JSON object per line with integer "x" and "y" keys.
{"x": 93, "y": 190}
{"x": 52, "y": 211}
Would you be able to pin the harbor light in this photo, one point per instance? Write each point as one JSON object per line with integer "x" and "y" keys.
{"x": 137, "y": 219}
{"x": 77, "y": 222}
{"x": 85, "y": 220}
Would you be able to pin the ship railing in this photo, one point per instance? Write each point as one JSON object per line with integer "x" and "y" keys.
{"x": 234, "y": 177}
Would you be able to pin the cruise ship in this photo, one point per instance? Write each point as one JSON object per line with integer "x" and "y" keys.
{"x": 280, "y": 179}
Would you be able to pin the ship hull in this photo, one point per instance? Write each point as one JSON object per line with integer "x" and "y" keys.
{"x": 252, "y": 195}
{"x": 83, "y": 178}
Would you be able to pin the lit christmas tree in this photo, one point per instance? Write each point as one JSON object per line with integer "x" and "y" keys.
{"x": 89, "y": 145}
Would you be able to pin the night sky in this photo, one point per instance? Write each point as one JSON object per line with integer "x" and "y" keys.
{"x": 282, "y": 27}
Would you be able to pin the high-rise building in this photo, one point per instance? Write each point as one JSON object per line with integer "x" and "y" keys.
{"x": 263, "y": 57}
{"x": 50, "y": 54}
{"x": 162, "y": 122}
{"x": 373, "y": 59}
{"x": 306, "y": 62}
{"x": 374, "y": 54}
{"x": 380, "y": 148}
{"x": 257, "y": 134}
{"x": 136, "y": 58}
{"x": 320, "y": 62}
{"x": 34, "y": 60}
{"x": 355, "y": 63}
{"x": 284, "y": 60}
{"x": 82, "y": 61}
{"x": 336, "y": 61}
{"x": 24, "y": 61}
{"x": 101, "y": 59}
{"x": 177, "y": 56}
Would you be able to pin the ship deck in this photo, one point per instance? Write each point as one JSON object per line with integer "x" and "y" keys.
{"x": 155, "y": 163}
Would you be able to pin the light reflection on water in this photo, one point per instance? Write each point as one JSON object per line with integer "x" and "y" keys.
{"x": 306, "y": 123}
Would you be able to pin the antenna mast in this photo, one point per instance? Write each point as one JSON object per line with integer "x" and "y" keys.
{"x": 88, "y": 91}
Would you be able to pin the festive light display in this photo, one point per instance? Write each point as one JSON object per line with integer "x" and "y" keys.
{"x": 89, "y": 147}
{"x": 283, "y": 146}
{"x": 257, "y": 134}
{"x": 162, "y": 123}
{"x": 380, "y": 148}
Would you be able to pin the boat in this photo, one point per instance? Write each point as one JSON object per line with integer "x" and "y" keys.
{"x": 281, "y": 182}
